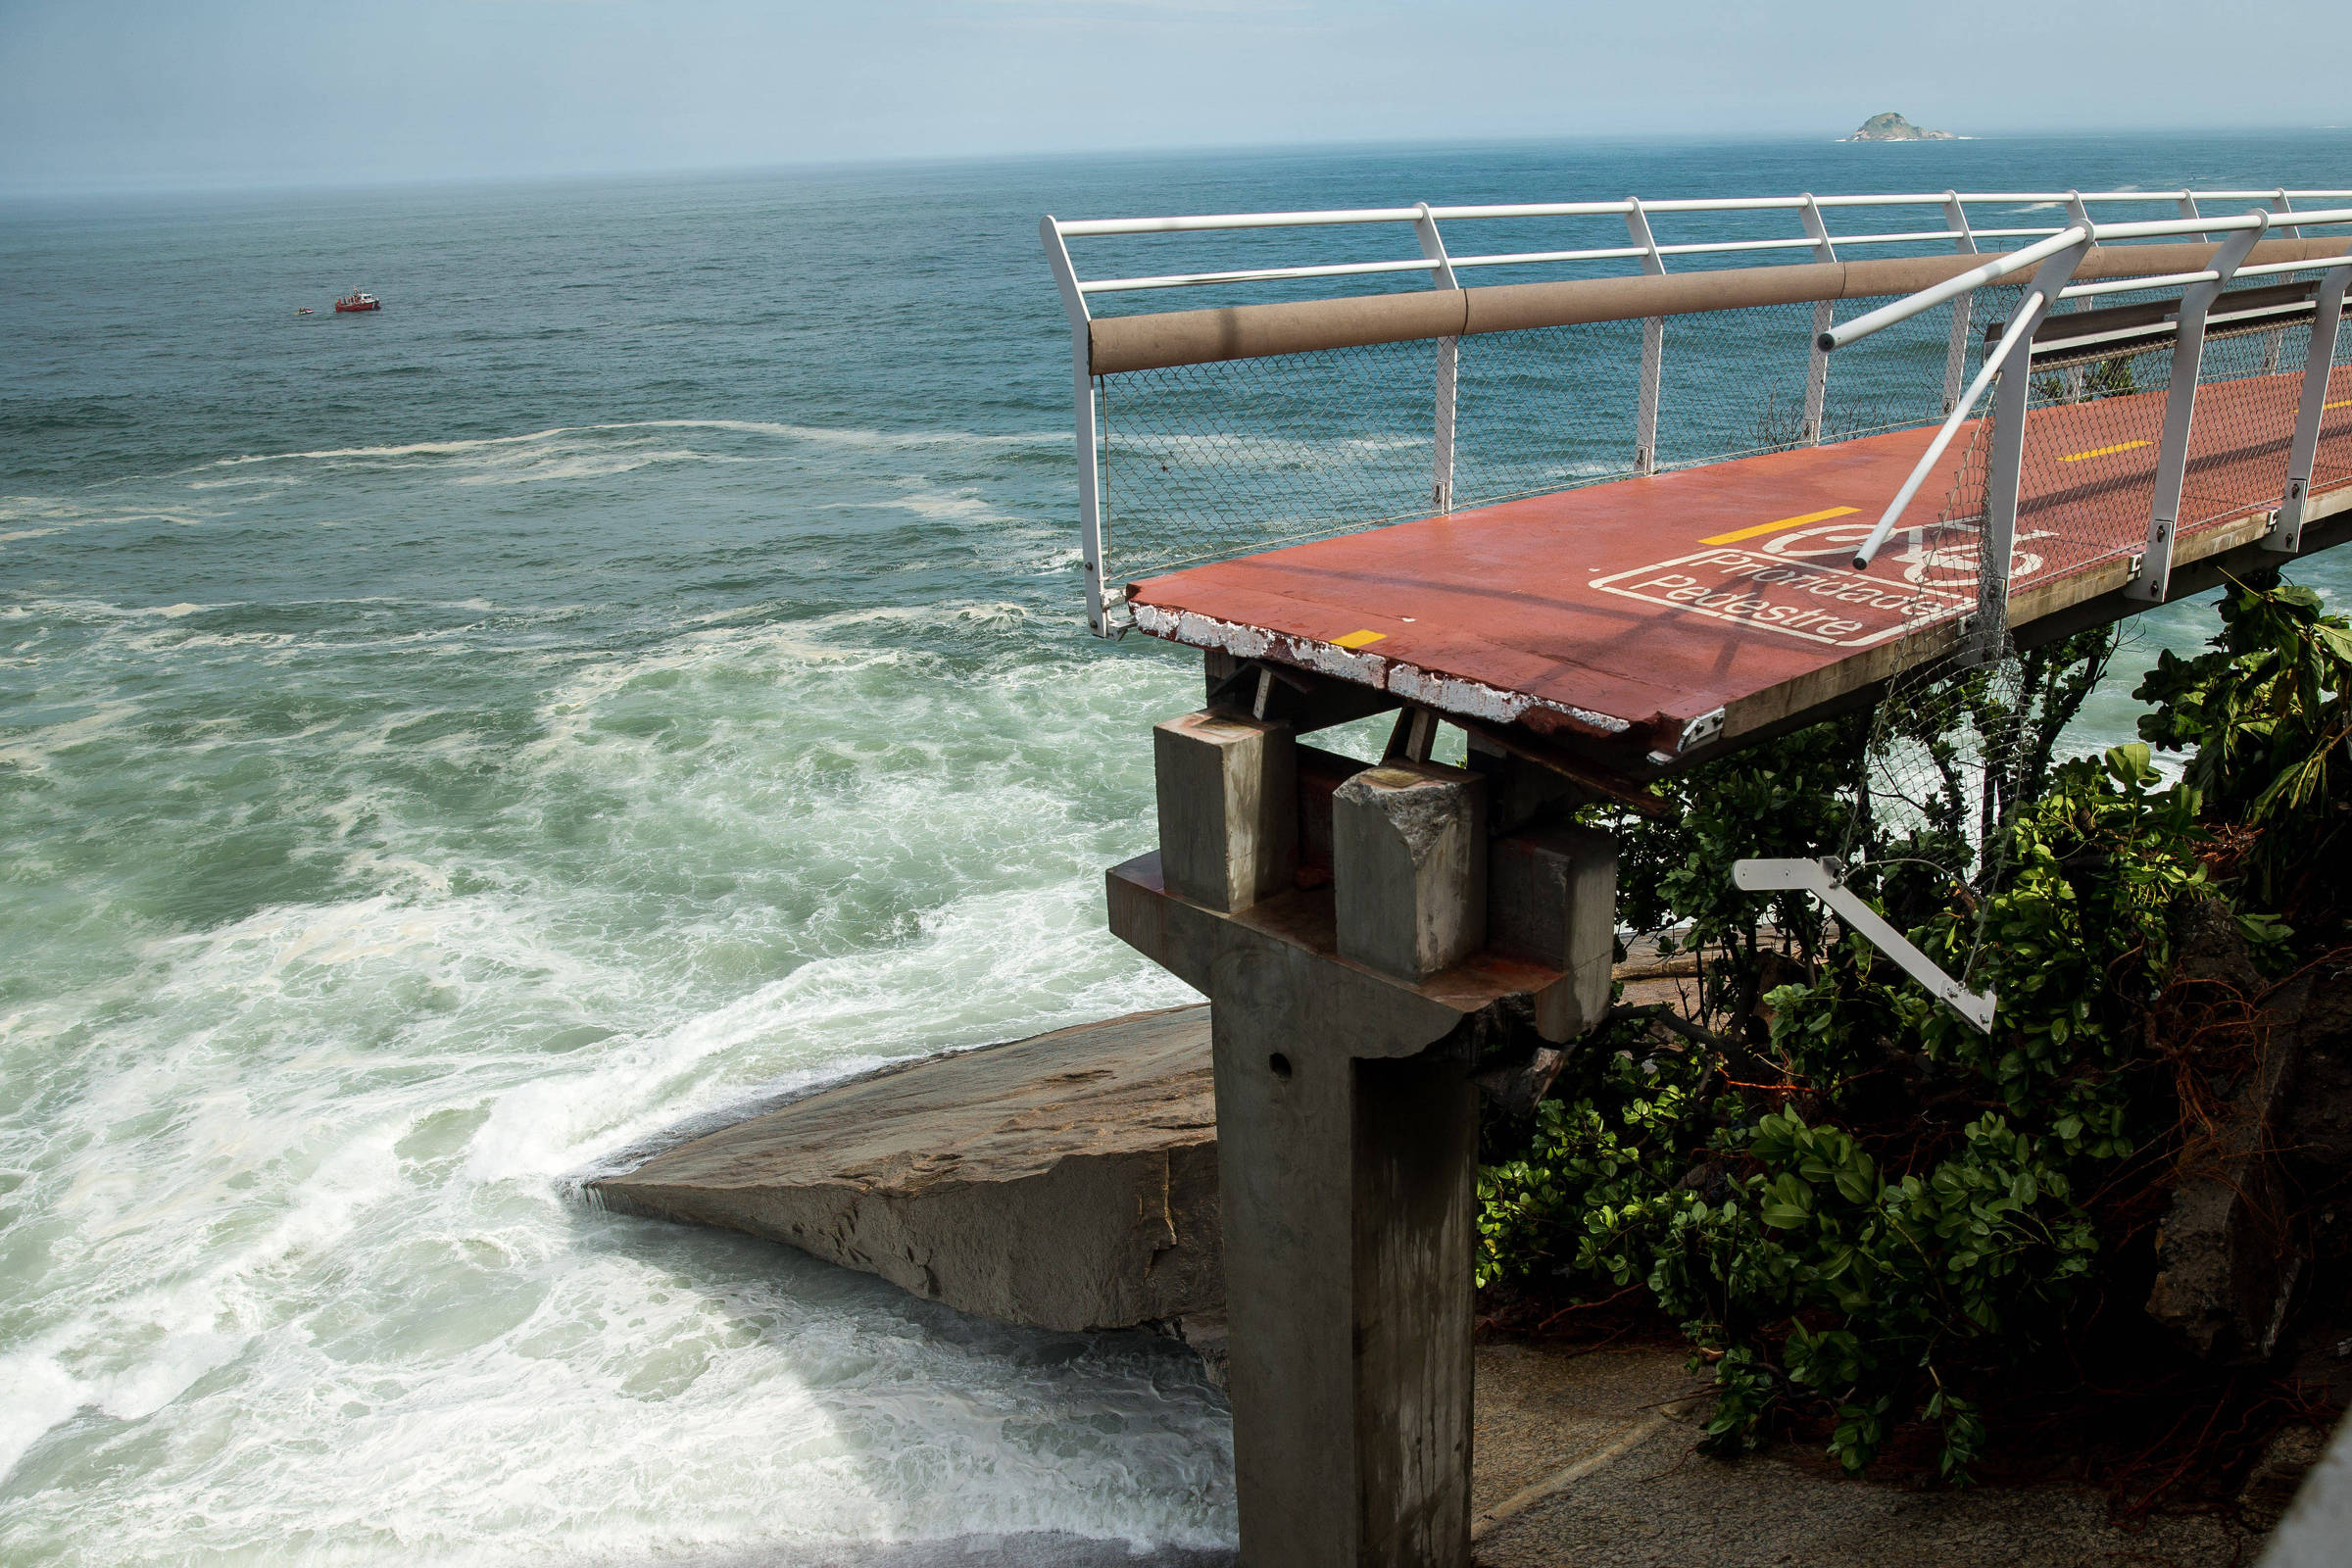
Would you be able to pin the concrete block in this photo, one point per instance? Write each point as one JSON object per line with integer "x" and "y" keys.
{"x": 1228, "y": 809}
{"x": 1410, "y": 868}
{"x": 1068, "y": 1181}
{"x": 1551, "y": 899}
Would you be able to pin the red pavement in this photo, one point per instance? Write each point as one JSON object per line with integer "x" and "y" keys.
{"x": 1629, "y": 608}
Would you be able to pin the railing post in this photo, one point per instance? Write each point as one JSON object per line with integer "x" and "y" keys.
{"x": 1654, "y": 344}
{"x": 1450, "y": 355}
{"x": 2188, "y": 208}
{"x": 1824, "y": 315}
{"x": 2318, "y": 370}
{"x": 1090, "y": 472}
{"x": 2072, "y": 377}
{"x": 2155, "y": 571}
{"x": 2274, "y": 344}
{"x": 2005, "y": 468}
{"x": 1955, "y": 356}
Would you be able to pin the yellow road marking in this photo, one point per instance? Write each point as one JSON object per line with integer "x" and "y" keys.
{"x": 2346, "y": 404}
{"x": 2101, "y": 452}
{"x": 1358, "y": 639}
{"x": 1737, "y": 534}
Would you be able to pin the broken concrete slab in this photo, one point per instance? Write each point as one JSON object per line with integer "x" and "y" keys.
{"x": 1068, "y": 1181}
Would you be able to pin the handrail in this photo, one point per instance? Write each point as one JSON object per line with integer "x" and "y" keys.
{"x": 2019, "y": 330}
{"x": 1926, "y": 299}
{"x": 1948, "y": 265}
{"x": 1353, "y": 217}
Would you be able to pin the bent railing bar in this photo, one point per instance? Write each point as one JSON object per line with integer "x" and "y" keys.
{"x": 2179, "y": 416}
{"x": 1926, "y": 299}
{"x": 1825, "y": 312}
{"x": 2028, "y": 311}
{"x": 1955, "y": 354}
{"x": 2319, "y": 366}
{"x": 1654, "y": 344}
{"x": 1449, "y": 359}
{"x": 2016, "y": 261}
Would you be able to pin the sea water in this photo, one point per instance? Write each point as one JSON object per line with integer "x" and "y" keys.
{"x": 636, "y": 672}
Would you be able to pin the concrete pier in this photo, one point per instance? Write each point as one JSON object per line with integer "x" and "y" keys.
{"x": 1350, "y": 1002}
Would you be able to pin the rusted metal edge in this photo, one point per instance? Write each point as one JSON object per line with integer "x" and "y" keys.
{"x": 1117, "y": 344}
{"x": 1450, "y": 695}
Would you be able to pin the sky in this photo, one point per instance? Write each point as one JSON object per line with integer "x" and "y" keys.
{"x": 161, "y": 94}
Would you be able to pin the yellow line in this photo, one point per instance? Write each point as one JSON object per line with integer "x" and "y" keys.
{"x": 2100, "y": 452}
{"x": 2346, "y": 404}
{"x": 1739, "y": 535}
{"x": 1358, "y": 639}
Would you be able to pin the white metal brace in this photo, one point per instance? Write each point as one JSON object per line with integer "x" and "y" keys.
{"x": 2319, "y": 366}
{"x": 1816, "y": 878}
{"x": 2155, "y": 572}
{"x": 1449, "y": 360}
{"x": 1653, "y": 343}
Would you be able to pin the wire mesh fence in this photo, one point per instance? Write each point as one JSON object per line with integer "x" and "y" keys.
{"x": 2331, "y": 463}
{"x": 1203, "y": 462}
{"x": 1206, "y": 462}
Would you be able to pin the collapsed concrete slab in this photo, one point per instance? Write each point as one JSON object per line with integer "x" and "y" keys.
{"x": 1068, "y": 1181}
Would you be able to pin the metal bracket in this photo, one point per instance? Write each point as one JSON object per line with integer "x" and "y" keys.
{"x": 1705, "y": 728}
{"x": 1816, "y": 878}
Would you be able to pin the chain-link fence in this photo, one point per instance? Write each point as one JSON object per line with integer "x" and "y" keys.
{"x": 1203, "y": 462}
{"x": 1207, "y": 462}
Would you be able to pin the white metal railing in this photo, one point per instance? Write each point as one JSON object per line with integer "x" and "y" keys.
{"x": 2056, "y": 257}
{"x": 1952, "y": 226}
{"x": 1630, "y": 207}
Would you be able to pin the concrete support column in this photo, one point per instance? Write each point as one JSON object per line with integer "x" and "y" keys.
{"x": 1347, "y": 1186}
{"x": 1346, "y": 1124}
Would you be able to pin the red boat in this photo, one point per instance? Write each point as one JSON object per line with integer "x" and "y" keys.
{"x": 357, "y": 301}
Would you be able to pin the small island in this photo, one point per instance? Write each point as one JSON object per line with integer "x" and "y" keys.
{"x": 1891, "y": 126}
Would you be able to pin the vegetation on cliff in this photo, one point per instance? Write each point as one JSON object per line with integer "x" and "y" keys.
{"x": 1862, "y": 1214}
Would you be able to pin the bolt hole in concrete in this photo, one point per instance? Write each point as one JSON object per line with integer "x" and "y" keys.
{"x": 1279, "y": 1065}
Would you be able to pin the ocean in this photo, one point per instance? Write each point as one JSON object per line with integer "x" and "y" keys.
{"x": 637, "y": 671}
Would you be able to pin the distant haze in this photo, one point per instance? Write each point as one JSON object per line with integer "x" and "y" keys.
{"x": 150, "y": 93}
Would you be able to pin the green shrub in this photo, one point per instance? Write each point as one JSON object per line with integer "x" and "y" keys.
{"x": 1860, "y": 1208}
